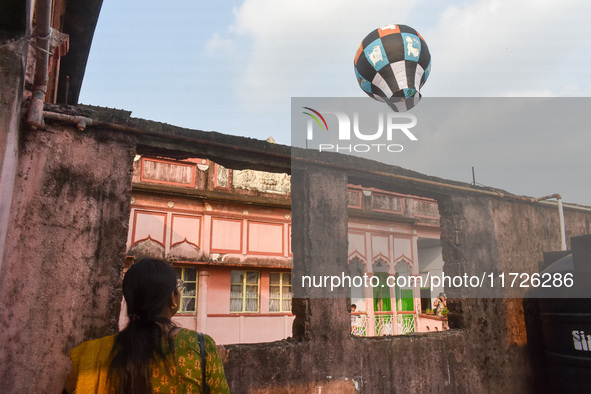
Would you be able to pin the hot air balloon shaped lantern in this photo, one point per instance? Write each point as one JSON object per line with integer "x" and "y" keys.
{"x": 392, "y": 64}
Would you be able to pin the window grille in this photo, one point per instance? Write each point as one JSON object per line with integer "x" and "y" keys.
{"x": 189, "y": 294}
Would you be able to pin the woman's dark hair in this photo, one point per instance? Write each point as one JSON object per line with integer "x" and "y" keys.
{"x": 147, "y": 288}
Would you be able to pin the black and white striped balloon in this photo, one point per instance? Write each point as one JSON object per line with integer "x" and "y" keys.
{"x": 392, "y": 64}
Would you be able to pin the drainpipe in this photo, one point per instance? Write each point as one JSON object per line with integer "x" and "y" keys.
{"x": 80, "y": 121}
{"x": 562, "y": 225}
{"x": 42, "y": 35}
{"x": 560, "y": 217}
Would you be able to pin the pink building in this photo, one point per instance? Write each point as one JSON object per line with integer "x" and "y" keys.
{"x": 395, "y": 238}
{"x": 227, "y": 233}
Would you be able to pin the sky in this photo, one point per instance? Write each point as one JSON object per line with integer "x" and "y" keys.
{"x": 233, "y": 66}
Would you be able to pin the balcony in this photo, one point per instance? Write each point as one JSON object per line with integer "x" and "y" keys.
{"x": 383, "y": 323}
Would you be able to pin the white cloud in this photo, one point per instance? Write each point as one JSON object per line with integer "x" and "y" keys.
{"x": 482, "y": 48}
{"x": 499, "y": 47}
{"x": 306, "y": 48}
{"x": 217, "y": 44}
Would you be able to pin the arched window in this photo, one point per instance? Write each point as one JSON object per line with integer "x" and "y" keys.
{"x": 356, "y": 267}
{"x": 381, "y": 293}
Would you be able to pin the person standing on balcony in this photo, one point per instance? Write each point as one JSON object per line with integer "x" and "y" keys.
{"x": 353, "y": 318}
{"x": 440, "y": 304}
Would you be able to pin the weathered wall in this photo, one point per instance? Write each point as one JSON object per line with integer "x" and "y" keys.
{"x": 63, "y": 255}
{"x": 13, "y": 59}
{"x": 485, "y": 352}
{"x": 59, "y": 284}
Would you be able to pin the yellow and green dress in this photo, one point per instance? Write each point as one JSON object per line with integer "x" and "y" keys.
{"x": 91, "y": 360}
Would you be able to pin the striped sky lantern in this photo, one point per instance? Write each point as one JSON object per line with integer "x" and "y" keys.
{"x": 392, "y": 64}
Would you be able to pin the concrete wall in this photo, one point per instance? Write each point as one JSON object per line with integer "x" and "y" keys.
{"x": 486, "y": 352}
{"x": 63, "y": 254}
{"x": 14, "y": 48}
{"x": 62, "y": 262}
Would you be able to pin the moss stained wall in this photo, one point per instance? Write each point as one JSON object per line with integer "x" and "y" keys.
{"x": 60, "y": 281}
{"x": 64, "y": 252}
{"x": 13, "y": 60}
{"x": 486, "y": 350}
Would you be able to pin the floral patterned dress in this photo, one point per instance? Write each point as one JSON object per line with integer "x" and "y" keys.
{"x": 185, "y": 376}
{"x": 91, "y": 360}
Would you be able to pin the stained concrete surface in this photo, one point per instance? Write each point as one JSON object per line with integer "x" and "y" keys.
{"x": 59, "y": 284}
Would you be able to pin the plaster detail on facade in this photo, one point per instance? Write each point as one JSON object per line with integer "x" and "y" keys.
{"x": 222, "y": 176}
{"x": 425, "y": 208}
{"x": 261, "y": 181}
{"x": 185, "y": 251}
{"x": 148, "y": 248}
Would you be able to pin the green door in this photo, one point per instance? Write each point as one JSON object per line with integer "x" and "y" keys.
{"x": 406, "y": 300}
{"x": 381, "y": 294}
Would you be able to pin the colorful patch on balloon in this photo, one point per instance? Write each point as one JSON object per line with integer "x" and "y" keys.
{"x": 376, "y": 55}
{"x": 412, "y": 46}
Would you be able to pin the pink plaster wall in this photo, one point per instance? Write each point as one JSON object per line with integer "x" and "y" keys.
{"x": 186, "y": 229}
{"x": 218, "y": 300}
{"x": 428, "y": 323}
{"x": 249, "y": 329}
{"x": 228, "y": 328}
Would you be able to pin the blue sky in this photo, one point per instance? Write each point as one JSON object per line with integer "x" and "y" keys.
{"x": 232, "y": 66}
